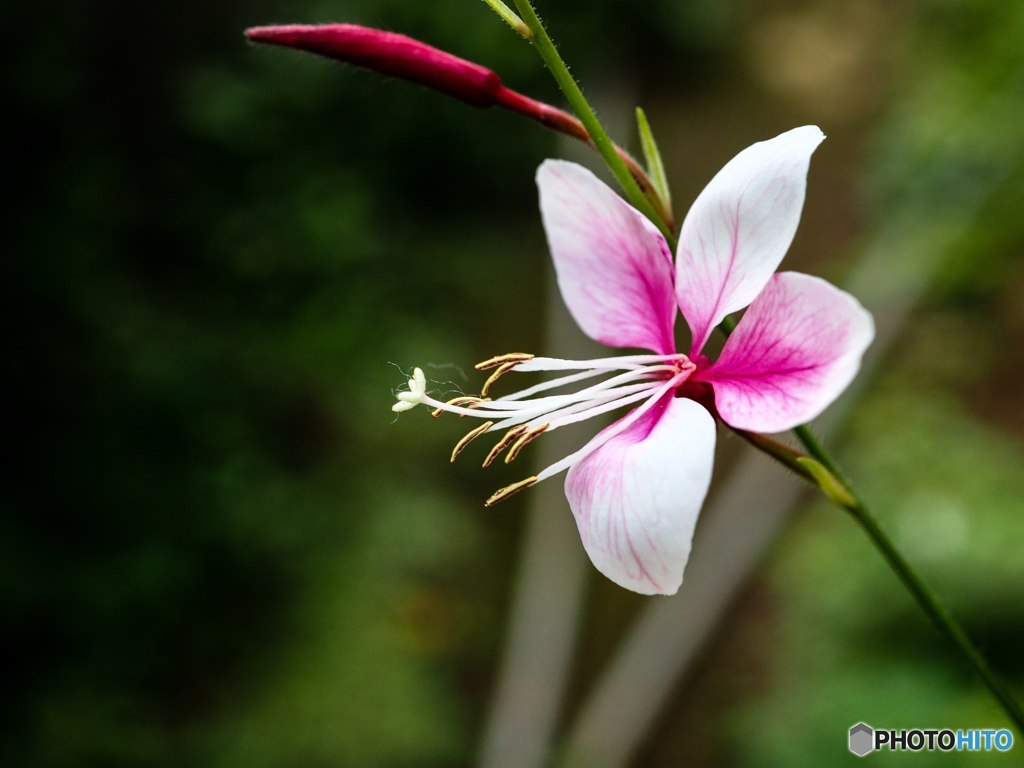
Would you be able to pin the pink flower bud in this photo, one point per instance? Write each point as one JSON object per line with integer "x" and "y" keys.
{"x": 400, "y": 56}
{"x": 389, "y": 54}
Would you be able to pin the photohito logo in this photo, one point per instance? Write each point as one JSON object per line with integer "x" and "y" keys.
{"x": 864, "y": 739}
{"x": 861, "y": 739}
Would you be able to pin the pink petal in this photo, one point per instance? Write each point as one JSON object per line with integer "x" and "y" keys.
{"x": 740, "y": 227}
{"x": 637, "y": 497}
{"x": 613, "y": 266}
{"x": 795, "y": 350}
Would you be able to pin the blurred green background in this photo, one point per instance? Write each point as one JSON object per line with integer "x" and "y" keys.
{"x": 218, "y": 547}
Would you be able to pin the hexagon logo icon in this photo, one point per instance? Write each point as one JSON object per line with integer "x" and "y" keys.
{"x": 862, "y": 739}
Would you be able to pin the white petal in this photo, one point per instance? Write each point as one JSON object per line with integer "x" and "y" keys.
{"x": 614, "y": 268}
{"x": 740, "y": 227}
{"x": 637, "y": 497}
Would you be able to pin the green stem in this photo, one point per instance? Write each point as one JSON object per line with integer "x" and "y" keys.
{"x": 927, "y": 599}
{"x": 579, "y": 104}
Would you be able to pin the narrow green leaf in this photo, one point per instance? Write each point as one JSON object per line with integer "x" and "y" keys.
{"x": 510, "y": 18}
{"x": 828, "y": 483}
{"x": 655, "y": 168}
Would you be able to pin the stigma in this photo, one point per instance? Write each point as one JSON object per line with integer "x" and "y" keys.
{"x": 604, "y": 385}
{"x": 417, "y": 392}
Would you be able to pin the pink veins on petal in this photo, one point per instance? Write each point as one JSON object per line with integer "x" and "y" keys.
{"x": 795, "y": 350}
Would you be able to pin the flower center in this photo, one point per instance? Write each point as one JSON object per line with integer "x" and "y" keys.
{"x": 525, "y": 416}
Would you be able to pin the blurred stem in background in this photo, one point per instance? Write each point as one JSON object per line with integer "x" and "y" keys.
{"x": 830, "y": 477}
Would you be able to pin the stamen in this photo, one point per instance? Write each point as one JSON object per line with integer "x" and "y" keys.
{"x": 505, "y": 368}
{"x": 642, "y": 374}
{"x": 607, "y": 401}
{"x": 504, "y": 443}
{"x": 533, "y": 434}
{"x": 508, "y": 490}
{"x": 616, "y": 429}
{"x": 512, "y": 357}
{"x": 470, "y": 401}
{"x": 641, "y": 379}
{"x": 611, "y": 363}
{"x": 524, "y": 410}
{"x": 601, "y": 407}
{"x": 470, "y": 438}
{"x": 555, "y": 383}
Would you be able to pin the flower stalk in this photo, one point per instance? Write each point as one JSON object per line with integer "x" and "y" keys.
{"x": 783, "y": 454}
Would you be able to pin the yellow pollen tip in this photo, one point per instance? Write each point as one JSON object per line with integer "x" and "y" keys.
{"x": 470, "y": 438}
{"x": 508, "y": 490}
{"x": 533, "y": 434}
{"x": 512, "y": 357}
{"x": 505, "y": 368}
{"x": 476, "y": 401}
{"x": 504, "y": 443}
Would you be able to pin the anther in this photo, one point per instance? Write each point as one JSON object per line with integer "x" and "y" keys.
{"x": 533, "y": 434}
{"x": 508, "y": 490}
{"x": 470, "y": 438}
{"x": 512, "y": 357}
{"x": 467, "y": 401}
{"x": 504, "y": 443}
{"x": 471, "y": 406}
{"x": 505, "y": 368}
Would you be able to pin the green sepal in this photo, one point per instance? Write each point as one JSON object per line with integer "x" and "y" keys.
{"x": 655, "y": 167}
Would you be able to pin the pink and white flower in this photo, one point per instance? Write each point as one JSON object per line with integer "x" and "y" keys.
{"x": 636, "y": 488}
